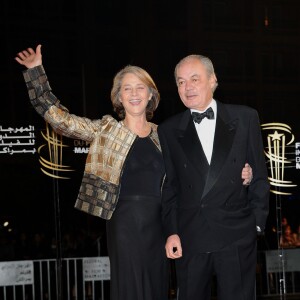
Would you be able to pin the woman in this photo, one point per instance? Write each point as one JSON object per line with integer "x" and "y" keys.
{"x": 123, "y": 174}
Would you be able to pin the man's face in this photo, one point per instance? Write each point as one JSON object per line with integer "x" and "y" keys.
{"x": 194, "y": 86}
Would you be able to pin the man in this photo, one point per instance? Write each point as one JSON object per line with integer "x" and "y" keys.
{"x": 211, "y": 218}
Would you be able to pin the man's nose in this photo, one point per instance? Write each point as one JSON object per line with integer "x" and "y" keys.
{"x": 189, "y": 85}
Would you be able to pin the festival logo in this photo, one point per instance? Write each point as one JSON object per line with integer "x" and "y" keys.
{"x": 279, "y": 153}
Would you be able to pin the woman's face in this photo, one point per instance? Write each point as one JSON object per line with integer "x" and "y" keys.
{"x": 134, "y": 95}
{"x": 288, "y": 230}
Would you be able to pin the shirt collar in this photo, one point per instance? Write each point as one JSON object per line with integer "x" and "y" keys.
{"x": 212, "y": 104}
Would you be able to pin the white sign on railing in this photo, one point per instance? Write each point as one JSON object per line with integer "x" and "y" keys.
{"x": 96, "y": 268}
{"x": 291, "y": 259}
{"x": 16, "y": 273}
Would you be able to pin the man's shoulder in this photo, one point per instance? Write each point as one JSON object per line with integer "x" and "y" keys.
{"x": 238, "y": 108}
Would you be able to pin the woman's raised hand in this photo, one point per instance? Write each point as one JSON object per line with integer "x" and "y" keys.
{"x": 30, "y": 58}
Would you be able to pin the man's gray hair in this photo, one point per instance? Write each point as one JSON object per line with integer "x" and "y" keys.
{"x": 204, "y": 60}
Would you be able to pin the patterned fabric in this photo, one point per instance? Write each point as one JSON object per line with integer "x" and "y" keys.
{"x": 110, "y": 141}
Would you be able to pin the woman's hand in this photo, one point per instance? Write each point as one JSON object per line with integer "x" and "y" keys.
{"x": 247, "y": 174}
{"x": 30, "y": 58}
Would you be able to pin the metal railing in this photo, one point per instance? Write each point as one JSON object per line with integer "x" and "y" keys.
{"x": 275, "y": 280}
{"x": 82, "y": 279}
{"x": 88, "y": 278}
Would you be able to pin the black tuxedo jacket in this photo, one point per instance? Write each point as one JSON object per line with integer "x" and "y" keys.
{"x": 207, "y": 205}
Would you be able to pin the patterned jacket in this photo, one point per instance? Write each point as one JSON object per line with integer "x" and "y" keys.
{"x": 110, "y": 142}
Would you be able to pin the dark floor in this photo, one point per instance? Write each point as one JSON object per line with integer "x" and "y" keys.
{"x": 283, "y": 297}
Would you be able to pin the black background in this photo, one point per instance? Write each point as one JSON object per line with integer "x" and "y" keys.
{"x": 254, "y": 46}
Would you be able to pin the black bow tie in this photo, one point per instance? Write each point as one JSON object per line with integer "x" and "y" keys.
{"x": 197, "y": 117}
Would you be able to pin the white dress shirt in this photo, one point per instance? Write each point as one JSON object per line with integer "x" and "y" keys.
{"x": 206, "y": 130}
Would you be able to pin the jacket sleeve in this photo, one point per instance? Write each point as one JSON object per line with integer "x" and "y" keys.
{"x": 169, "y": 190}
{"x": 259, "y": 188}
{"x": 48, "y": 106}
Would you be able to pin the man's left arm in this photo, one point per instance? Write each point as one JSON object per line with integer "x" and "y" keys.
{"x": 259, "y": 189}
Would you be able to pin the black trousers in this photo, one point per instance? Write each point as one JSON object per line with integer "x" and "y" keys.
{"x": 234, "y": 267}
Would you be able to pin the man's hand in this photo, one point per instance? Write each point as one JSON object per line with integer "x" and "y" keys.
{"x": 30, "y": 58}
{"x": 173, "y": 247}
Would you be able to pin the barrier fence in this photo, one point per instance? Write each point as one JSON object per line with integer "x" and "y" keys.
{"x": 82, "y": 278}
{"x": 88, "y": 278}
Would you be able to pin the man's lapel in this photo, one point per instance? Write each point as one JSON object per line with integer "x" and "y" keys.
{"x": 190, "y": 143}
{"x": 223, "y": 140}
